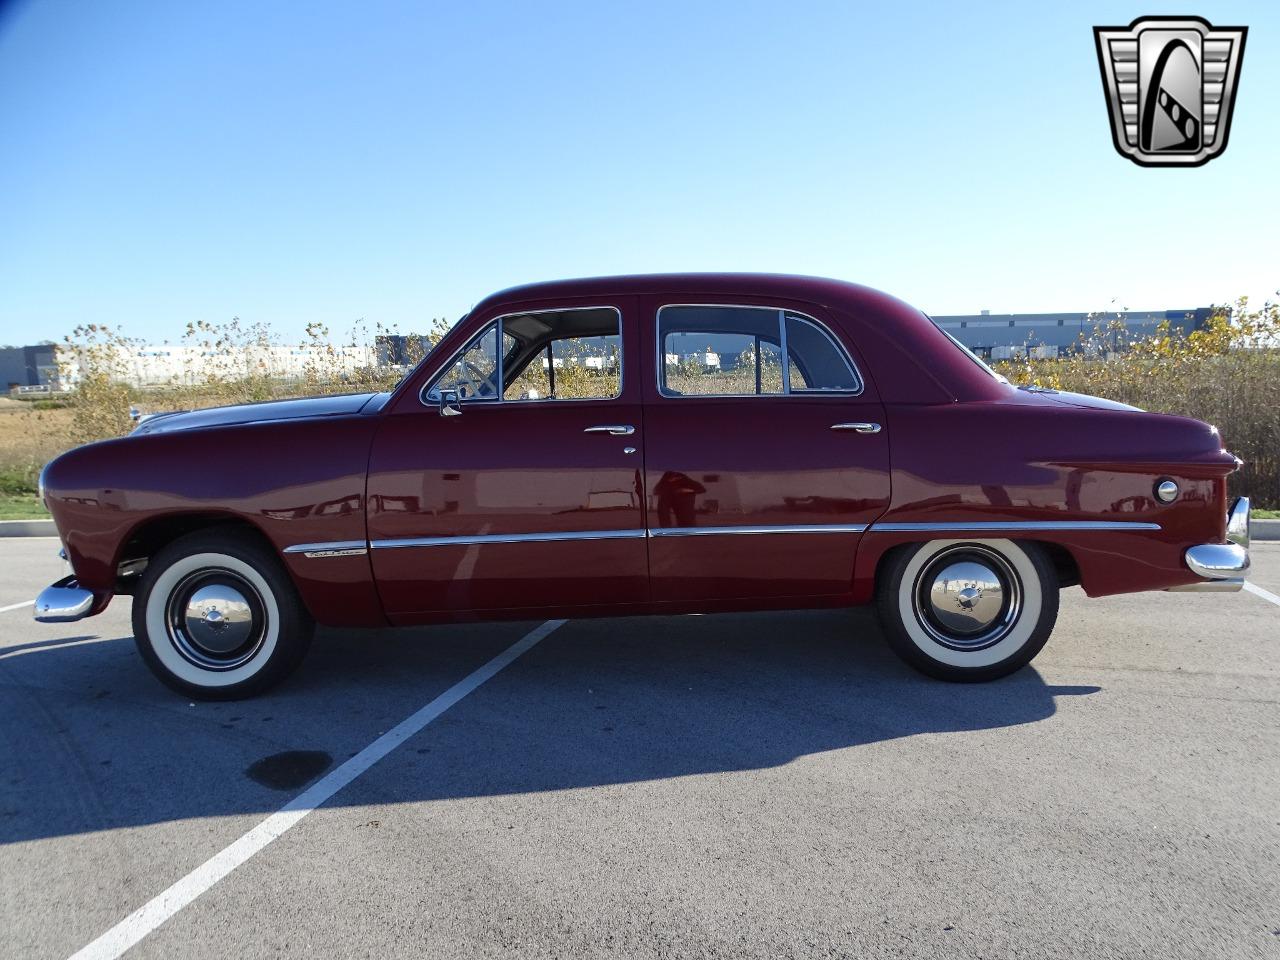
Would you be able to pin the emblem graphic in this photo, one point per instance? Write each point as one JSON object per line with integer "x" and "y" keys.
{"x": 1170, "y": 84}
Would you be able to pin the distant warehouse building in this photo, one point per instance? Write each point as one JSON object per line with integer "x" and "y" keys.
{"x": 1008, "y": 335}
{"x": 28, "y": 366}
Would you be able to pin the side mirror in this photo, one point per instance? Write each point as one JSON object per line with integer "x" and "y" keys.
{"x": 450, "y": 403}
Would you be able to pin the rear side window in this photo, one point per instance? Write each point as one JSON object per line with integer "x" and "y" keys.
{"x": 729, "y": 351}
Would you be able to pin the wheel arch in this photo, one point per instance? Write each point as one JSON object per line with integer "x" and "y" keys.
{"x": 153, "y": 534}
{"x": 1063, "y": 560}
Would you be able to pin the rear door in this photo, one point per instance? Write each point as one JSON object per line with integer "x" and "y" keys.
{"x": 766, "y": 454}
{"x": 529, "y": 497}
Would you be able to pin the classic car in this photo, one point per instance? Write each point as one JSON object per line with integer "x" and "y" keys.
{"x": 645, "y": 445}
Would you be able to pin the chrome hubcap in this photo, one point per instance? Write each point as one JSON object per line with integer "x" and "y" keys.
{"x": 216, "y": 619}
{"x": 967, "y": 597}
{"x": 219, "y": 618}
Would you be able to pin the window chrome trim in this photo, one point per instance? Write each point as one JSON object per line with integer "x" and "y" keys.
{"x": 660, "y": 373}
{"x": 734, "y": 531}
{"x": 1014, "y": 525}
{"x": 440, "y": 370}
{"x": 782, "y": 348}
{"x": 336, "y": 548}
{"x": 465, "y": 540}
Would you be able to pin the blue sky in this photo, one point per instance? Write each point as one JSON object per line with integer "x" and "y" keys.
{"x": 166, "y": 162}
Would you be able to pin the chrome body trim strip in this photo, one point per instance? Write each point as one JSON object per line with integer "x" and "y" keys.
{"x": 759, "y": 530}
{"x": 463, "y": 541}
{"x": 638, "y": 534}
{"x": 1015, "y": 525}
{"x": 337, "y": 548}
{"x": 736, "y": 531}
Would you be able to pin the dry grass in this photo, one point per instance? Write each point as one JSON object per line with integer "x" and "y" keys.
{"x": 30, "y": 438}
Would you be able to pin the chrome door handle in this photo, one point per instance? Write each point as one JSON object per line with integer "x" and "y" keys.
{"x": 615, "y": 429}
{"x": 857, "y": 427}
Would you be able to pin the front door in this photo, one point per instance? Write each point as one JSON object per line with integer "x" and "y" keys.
{"x": 528, "y": 494}
{"x": 766, "y": 453}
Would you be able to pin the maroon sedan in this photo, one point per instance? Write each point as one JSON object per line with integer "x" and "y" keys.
{"x": 657, "y": 445}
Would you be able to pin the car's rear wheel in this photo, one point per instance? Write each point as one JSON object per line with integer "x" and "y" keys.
{"x": 968, "y": 610}
{"x": 216, "y": 617}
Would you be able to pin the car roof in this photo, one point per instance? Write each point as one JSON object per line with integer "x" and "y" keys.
{"x": 821, "y": 290}
{"x": 908, "y": 358}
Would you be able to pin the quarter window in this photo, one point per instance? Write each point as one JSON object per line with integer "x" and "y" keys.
{"x": 739, "y": 351}
{"x": 474, "y": 372}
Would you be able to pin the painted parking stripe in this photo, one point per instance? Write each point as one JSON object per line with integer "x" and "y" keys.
{"x": 1257, "y": 591}
{"x": 142, "y": 921}
{"x": 16, "y": 606}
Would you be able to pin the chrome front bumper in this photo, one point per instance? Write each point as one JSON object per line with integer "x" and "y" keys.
{"x": 1222, "y": 565}
{"x": 63, "y": 602}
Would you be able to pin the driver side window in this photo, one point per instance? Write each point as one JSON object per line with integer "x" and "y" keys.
{"x": 573, "y": 353}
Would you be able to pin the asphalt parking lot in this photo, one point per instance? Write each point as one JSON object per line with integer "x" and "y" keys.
{"x": 724, "y": 786}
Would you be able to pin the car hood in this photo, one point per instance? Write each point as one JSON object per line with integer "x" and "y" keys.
{"x": 307, "y": 408}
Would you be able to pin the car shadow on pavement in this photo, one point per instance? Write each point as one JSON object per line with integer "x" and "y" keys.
{"x": 92, "y": 742}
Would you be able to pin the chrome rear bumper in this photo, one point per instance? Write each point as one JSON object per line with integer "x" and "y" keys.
{"x": 1222, "y": 565}
{"x": 63, "y": 602}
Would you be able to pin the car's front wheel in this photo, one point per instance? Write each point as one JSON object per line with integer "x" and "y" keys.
{"x": 216, "y": 617}
{"x": 968, "y": 610}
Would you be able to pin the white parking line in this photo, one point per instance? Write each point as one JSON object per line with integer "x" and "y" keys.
{"x": 142, "y": 921}
{"x": 16, "y": 606}
{"x": 1257, "y": 591}
{"x": 45, "y": 646}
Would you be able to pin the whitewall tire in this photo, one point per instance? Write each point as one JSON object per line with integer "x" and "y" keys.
{"x": 968, "y": 610}
{"x": 216, "y": 617}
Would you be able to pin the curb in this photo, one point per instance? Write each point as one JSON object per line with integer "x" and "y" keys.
{"x": 27, "y": 528}
{"x": 1264, "y": 529}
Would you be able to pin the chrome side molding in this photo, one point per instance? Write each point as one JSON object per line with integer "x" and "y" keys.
{"x": 737, "y": 531}
{"x": 551, "y": 537}
{"x": 1014, "y": 525}
{"x": 356, "y": 547}
{"x": 463, "y": 541}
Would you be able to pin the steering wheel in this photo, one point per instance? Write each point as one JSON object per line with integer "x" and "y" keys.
{"x": 476, "y": 383}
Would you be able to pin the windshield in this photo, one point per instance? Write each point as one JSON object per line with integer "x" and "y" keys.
{"x": 969, "y": 353}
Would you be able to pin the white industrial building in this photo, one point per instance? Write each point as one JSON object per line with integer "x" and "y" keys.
{"x": 161, "y": 364}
